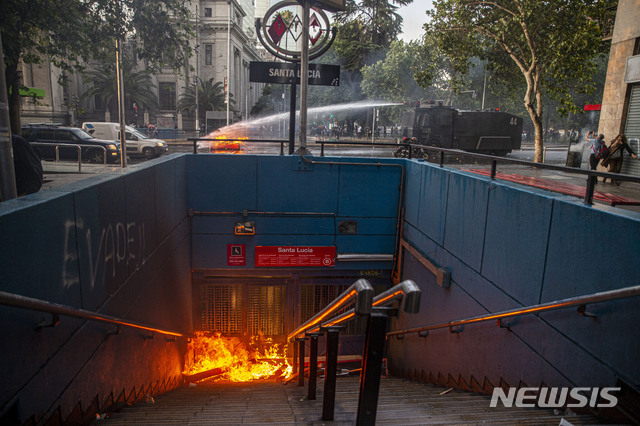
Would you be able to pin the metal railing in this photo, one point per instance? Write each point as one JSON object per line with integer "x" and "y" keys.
{"x": 24, "y": 302}
{"x": 406, "y": 293}
{"x": 78, "y": 147}
{"x": 592, "y": 175}
{"x": 580, "y": 301}
{"x": 196, "y": 140}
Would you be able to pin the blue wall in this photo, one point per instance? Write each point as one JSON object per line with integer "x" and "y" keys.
{"x": 120, "y": 244}
{"x": 116, "y": 244}
{"x": 278, "y": 188}
{"x": 509, "y": 246}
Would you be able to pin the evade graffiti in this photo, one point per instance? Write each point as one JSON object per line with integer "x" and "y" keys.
{"x": 105, "y": 252}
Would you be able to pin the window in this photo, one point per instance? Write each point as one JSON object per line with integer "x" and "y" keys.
{"x": 98, "y": 101}
{"x": 207, "y": 12}
{"x": 208, "y": 54}
{"x": 167, "y": 96}
{"x": 65, "y": 135}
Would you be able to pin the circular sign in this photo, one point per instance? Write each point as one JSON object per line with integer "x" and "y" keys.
{"x": 280, "y": 32}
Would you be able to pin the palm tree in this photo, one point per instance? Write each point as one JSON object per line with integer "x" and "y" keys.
{"x": 210, "y": 98}
{"x": 138, "y": 87}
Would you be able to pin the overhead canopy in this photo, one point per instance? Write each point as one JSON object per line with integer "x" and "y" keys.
{"x": 330, "y": 5}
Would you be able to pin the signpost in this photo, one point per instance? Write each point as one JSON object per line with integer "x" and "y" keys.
{"x": 289, "y": 73}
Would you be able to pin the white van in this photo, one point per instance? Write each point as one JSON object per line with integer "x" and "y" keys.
{"x": 138, "y": 144}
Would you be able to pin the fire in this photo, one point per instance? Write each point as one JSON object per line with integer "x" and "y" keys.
{"x": 232, "y": 147}
{"x": 229, "y": 358}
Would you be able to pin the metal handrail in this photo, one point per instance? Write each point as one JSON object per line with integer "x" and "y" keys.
{"x": 550, "y": 306}
{"x": 360, "y": 293}
{"x": 407, "y": 291}
{"x": 25, "y": 302}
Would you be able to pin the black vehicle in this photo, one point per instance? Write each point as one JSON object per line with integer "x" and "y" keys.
{"x": 46, "y": 137}
{"x": 486, "y": 132}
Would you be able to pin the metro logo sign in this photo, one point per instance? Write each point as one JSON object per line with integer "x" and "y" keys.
{"x": 299, "y": 256}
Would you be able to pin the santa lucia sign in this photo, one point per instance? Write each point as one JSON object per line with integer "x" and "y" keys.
{"x": 289, "y": 73}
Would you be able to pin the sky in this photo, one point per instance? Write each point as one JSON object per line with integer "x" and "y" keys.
{"x": 413, "y": 17}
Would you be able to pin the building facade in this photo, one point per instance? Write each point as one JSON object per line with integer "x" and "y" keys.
{"x": 621, "y": 99}
{"x": 224, "y": 37}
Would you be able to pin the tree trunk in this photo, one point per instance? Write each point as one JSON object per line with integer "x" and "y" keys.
{"x": 13, "y": 94}
{"x": 533, "y": 105}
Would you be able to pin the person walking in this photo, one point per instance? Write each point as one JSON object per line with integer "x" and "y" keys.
{"x": 614, "y": 158}
{"x": 596, "y": 145}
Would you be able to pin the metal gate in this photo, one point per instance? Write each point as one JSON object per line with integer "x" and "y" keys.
{"x": 632, "y": 131}
{"x": 265, "y": 314}
{"x": 243, "y": 309}
{"x": 222, "y": 308}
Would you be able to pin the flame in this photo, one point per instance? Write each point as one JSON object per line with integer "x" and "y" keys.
{"x": 234, "y": 360}
{"x": 231, "y": 147}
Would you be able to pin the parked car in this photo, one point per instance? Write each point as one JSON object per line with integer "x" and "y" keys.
{"x": 137, "y": 143}
{"x": 46, "y": 137}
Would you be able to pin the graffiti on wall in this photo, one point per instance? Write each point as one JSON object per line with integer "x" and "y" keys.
{"x": 114, "y": 246}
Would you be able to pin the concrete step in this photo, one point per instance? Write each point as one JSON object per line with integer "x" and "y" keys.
{"x": 400, "y": 402}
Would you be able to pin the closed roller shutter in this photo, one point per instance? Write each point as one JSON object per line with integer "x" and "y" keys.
{"x": 632, "y": 131}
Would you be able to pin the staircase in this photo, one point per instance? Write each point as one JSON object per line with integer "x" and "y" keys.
{"x": 401, "y": 402}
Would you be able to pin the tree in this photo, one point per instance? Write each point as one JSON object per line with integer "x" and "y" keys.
{"x": 210, "y": 98}
{"x": 550, "y": 46}
{"x": 367, "y": 28}
{"x": 71, "y": 32}
{"x": 138, "y": 86}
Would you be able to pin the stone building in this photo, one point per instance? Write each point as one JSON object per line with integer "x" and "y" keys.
{"x": 621, "y": 99}
{"x": 225, "y": 35}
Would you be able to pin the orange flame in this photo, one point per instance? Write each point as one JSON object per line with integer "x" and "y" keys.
{"x": 234, "y": 360}
{"x": 231, "y": 147}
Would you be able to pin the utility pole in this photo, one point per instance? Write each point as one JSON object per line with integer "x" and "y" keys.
{"x": 196, "y": 83}
{"x": 7, "y": 172}
{"x": 121, "y": 120}
{"x": 304, "y": 75}
{"x": 228, "y": 59}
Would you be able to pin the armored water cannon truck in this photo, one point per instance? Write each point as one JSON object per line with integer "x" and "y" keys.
{"x": 483, "y": 131}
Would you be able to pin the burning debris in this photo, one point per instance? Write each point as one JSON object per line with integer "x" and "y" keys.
{"x": 214, "y": 357}
{"x": 227, "y": 146}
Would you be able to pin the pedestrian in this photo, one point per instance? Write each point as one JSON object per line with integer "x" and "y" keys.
{"x": 615, "y": 156}
{"x": 596, "y": 145}
{"x": 27, "y": 165}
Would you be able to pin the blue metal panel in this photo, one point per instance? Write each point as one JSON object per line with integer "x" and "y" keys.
{"x": 590, "y": 250}
{"x": 105, "y": 238}
{"x": 515, "y": 241}
{"x": 221, "y": 182}
{"x": 433, "y": 202}
{"x": 465, "y": 217}
{"x": 413, "y": 187}
{"x": 141, "y": 223}
{"x": 378, "y": 244}
{"x": 372, "y": 225}
{"x": 283, "y": 187}
{"x": 369, "y": 191}
{"x": 38, "y": 253}
{"x": 170, "y": 192}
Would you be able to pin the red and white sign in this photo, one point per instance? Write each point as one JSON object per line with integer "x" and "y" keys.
{"x": 295, "y": 256}
{"x": 236, "y": 255}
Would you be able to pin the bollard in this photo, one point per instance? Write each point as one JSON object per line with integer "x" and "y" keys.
{"x": 330, "y": 370}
